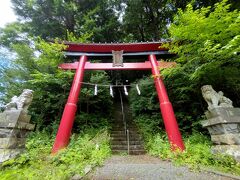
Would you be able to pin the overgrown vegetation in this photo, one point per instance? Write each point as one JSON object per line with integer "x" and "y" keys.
{"x": 207, "y": 42}
{"x": 197, "y": 154}
{"x": 87, "y": 149}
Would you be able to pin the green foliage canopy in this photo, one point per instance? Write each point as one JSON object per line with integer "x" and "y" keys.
{"x": 51, "y": 19}
{"x": 207, "y": 44}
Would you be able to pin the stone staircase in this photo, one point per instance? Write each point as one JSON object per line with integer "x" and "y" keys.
{"x": 119, "y": 141}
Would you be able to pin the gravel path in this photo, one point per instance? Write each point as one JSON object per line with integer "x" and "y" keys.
{"x": 146, "y": 167}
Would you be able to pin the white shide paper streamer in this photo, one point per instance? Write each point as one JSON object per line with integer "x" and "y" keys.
{"x": 111, "y": 90}
{"x": 95, "y": 90}
{"x": 125, "y": 90}
{"x": 138, "y": 90}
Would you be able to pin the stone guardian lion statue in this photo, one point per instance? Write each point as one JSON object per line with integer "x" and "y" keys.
{"x": 21, "y": 102}
{"x": 215, "y": 99}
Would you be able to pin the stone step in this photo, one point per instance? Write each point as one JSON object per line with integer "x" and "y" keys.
{"x": 124, "y": 138}
{"x": 121, "y": 124}
{"x": 123, "y": 130}
{"x": 118, "y": 134}
{"x": 124, "y": 133}
{"x": 132, "y": 152}
{"x": 113, "y": 142}
{"x": 125, "y": 147}
{"x": 134, "y": 136}
{"x": 128, "y": 127}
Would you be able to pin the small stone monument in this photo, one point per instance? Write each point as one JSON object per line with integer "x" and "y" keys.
{"x": 14, "y": 125}
{"x": 223, "y": 122}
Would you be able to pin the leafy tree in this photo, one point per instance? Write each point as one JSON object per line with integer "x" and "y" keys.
{"x": 47, "y": 18}
{"x": 147, "y": 20}
{"x": 55, "y": 18}
{"x": 13, "y": 33}
{"x": 207, "y": 44}
{"x": 103, "y": 23}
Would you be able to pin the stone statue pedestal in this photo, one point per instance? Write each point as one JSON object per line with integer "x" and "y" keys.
{"x": 14, "y": 128}
{"x": 223, "y": 124}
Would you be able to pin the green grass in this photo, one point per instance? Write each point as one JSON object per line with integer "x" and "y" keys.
{"x": 88, "y": 148}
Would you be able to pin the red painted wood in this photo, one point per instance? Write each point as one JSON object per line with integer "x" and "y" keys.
{"x": 107, "y": 48}
{"x": 108, "y": 66}
{"x": 65, "y": 127}
{"x": 170, "y": 122}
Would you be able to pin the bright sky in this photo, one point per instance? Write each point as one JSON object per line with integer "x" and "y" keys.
{"x": 6, "y": 13}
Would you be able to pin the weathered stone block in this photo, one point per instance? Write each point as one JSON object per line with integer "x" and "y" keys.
{"x": 6, "y": 154}
{"x": 24, "y": 118}
{"x": 224, "y": 112}
{"x": 12, "y": 143}
{"x": 18, "y": 125}
{"x": 223, "y": 125}
{"x": 232, "y": 150}
{"x": 218, "y": 129}
{"x": 17, "y": 133}
{"x": 10, "y": 116}
{"x": 230, "y": 139}
{"x": 23, "y": 125}
{"x": 220, "y": 120}
{"x": 14, "y": 116}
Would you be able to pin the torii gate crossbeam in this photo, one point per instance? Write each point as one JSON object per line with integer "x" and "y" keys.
{"x": 108, "y": 66}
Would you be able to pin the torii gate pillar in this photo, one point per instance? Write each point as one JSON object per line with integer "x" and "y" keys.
{"x": 168, "y": 116}
{"x": 66, "y": 123}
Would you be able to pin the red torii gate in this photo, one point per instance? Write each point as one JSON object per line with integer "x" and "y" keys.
{"x": 151, "y": 50}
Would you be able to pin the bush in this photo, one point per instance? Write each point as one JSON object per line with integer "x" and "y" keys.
{"x": 84, "y": 121}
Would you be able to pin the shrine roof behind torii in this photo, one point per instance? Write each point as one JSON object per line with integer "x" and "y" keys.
{"x": 104, "y": 50}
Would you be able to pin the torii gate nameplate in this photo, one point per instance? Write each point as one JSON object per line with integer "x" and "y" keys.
{"x": 117, "y": 58}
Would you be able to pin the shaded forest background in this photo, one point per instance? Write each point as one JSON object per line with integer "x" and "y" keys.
{"x": 205, "y": 37}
